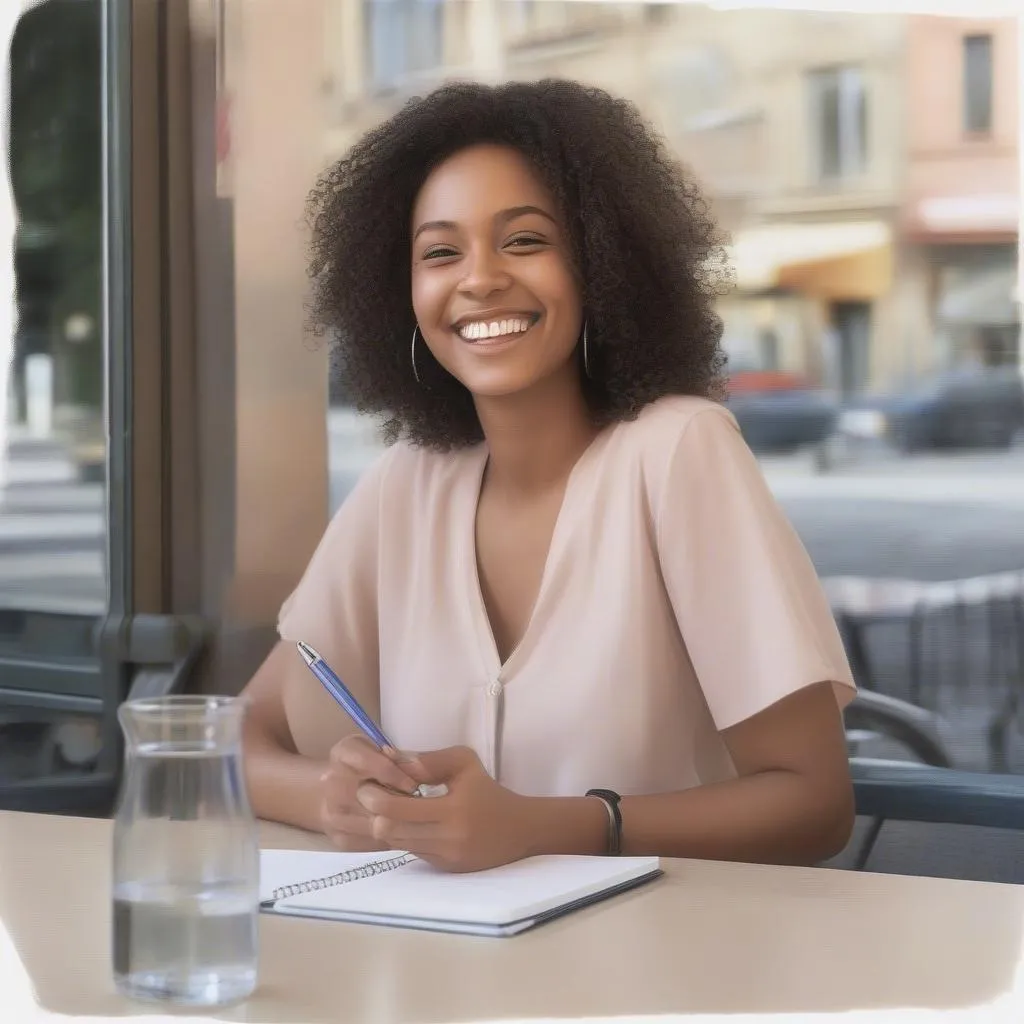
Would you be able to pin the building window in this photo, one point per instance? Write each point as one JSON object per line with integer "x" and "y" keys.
{"x": 838, "y": 122}
{"x": 519, "y": 17}
{"x": 406, "y": 38}
{"x": 978, "y": 84}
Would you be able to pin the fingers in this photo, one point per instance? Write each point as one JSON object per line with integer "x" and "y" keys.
{"x": 405, "y": 835}
{"x": 353, "y": 762}
{"x": 439, "y": 766}
{"x": 378, "y": 802}
{"x": 364, "y": 760}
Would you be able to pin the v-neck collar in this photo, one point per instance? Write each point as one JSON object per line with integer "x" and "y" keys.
{"x": 496, "y": 670}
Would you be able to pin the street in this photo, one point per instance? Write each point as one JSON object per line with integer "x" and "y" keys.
{"x": 924, "y": 518}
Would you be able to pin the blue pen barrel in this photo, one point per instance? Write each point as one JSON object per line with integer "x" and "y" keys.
{"x": 341, "y": 693}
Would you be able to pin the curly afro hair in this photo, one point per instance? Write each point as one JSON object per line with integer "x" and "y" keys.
{"x": 644, "y": 244}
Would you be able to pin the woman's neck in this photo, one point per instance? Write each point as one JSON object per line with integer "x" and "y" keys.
{"x": 534, "y": 438}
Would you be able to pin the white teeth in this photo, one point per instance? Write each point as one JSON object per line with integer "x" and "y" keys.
{"x": 494, "y": 329}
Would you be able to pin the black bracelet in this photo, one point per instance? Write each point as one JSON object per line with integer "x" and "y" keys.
{"x": 611, "y": 801}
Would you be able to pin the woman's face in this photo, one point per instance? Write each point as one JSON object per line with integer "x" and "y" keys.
{"x": 493, "y": 286}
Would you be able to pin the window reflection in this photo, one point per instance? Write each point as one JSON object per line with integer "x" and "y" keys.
{"x": 51, "y": 504}
{"x": 52, "y": 442}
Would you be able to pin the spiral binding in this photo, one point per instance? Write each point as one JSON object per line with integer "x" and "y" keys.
{"x": 368, "y": 870}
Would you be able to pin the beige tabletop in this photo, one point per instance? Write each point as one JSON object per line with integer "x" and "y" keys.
{"x": 763, "y": 943}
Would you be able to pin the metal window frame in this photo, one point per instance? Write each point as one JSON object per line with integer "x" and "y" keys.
{"x": 150, "y": 639}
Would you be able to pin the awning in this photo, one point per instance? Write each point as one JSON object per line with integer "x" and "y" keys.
{"x": 838, "y": 260}
{"x": 976, "y": 214}
{"x": 986, "y": 296}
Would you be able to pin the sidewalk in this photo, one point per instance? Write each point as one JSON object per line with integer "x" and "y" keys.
{"x": 957, "y": 478}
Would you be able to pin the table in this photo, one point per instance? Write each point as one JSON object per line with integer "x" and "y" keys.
{"x": 765, "y": 943}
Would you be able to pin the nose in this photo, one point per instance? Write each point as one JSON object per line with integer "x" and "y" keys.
{"x": 484, "y": 274}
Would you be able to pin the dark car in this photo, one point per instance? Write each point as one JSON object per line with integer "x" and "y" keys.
{"x": 780, "y": 412}
{"x": 969, "y": 407}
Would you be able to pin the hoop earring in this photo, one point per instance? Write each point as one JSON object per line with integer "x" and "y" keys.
{"x": 586, "y": 353}
{"x": 412, "y": 354}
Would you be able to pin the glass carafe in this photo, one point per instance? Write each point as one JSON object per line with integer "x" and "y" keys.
{"x": 185, "y": 855}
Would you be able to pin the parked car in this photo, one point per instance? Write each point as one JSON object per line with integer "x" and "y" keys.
{"x": 780, "y": 412}
{"x": 969, "y": 407}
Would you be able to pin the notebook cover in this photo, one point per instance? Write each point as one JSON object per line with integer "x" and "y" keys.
{"x": 465, "y": 927}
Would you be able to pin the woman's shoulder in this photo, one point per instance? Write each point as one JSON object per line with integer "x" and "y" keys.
{"x": 663, "y": 424}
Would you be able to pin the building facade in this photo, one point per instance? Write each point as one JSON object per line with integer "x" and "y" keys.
{"x": 817, "y": 136}
{"x": 962, "y": 201}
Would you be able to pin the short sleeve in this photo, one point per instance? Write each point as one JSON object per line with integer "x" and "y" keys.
{"x": 334, "y": 606}
{"x": 751, "y": 609}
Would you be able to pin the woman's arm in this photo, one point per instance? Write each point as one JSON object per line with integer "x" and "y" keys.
{"x": 792, "y": 802}
{"x": 292, "y": 723}
{"x": 313, "y": 786}
{"x": 283, "y": 785}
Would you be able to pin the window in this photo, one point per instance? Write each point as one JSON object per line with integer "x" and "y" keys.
{"x": 978, "y": 84}
{"x": 406, "y": 38}
{"x": 54, "y": 581}
{"x": 838, "y": 122}
{"x": 519, "y": 17}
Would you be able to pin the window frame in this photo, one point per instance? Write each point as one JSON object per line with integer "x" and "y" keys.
{"x": 852, "y": 156}
{"x": 145, "y": 635}
{"x": 399, "y": 38}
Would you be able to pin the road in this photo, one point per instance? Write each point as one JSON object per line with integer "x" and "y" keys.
{"x": 927, "y": 518}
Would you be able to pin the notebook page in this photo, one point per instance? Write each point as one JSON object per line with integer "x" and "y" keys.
{"x": 279, "y": 868}
{"x": 497, "y": 896}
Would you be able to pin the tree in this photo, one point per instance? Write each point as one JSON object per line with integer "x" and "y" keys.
{"x": 56, "y": 153}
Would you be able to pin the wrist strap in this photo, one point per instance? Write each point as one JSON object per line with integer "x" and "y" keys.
{"x": 611, "y": 799}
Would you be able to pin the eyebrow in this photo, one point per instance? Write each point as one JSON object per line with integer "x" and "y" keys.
{"x": 504, "y": 215}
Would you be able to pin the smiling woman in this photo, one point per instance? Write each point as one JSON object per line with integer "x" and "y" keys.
{"x": 566, "y": 591}
{"x": 584, "y": 188}
{"x": 493, "y": 290}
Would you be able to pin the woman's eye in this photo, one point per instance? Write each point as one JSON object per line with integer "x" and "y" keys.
{"x": 439, "y": 252}
{"x": 521, "y": 241}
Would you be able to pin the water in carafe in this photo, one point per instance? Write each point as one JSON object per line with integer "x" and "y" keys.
{"x": 186, "y": 855}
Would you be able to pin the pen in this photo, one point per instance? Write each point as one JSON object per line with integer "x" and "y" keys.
{"x": 341, "y": 693}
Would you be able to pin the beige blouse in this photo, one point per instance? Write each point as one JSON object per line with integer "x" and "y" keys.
{"x": 676, "y": 601}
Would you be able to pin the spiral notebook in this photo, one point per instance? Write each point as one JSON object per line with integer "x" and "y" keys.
{"x": 400, "y": 890}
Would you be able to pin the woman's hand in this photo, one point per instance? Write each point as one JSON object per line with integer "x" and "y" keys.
{"x": 477, "y": 825}
{"x": 355, "y": 761}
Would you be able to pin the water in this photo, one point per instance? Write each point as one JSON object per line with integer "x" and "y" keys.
{"x": 194, "y": 947}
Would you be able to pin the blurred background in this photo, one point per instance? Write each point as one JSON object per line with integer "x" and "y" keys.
{"x": 866, "y": 168}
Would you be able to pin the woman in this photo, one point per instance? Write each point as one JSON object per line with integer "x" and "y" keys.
{"x": 568, "y": 574}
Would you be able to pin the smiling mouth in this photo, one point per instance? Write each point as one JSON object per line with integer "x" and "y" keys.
{"x": 500, "y": 329}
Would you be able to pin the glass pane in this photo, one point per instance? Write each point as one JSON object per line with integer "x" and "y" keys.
{"x": 52, "y": 437}
{"x": 873, "y": 337}
{"x": 977, "y": 83}
{"x": 828, "y": 125}
{"x": 405, "y": 39}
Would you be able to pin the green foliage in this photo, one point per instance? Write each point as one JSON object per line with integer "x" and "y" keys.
{"x": 56, "y": 147}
